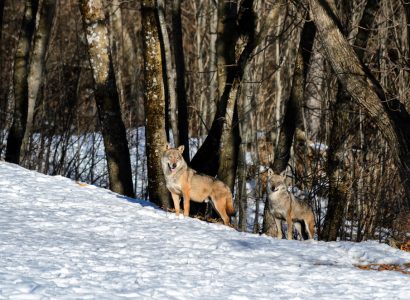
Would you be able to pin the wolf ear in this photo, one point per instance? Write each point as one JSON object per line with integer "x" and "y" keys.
{"x": 168, "y": 146}
{"x": 270, "y": 172}
{"x": 283, "y": 173}
{"x": 181, "y": 149}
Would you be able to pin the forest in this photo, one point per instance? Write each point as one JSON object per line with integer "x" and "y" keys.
{"x": 94, "y": 90}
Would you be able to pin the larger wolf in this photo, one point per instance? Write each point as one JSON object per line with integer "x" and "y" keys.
{"x": 284, "y": 206}
{"x": 186, "y": 182}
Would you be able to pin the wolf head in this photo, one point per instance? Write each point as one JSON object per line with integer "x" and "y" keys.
{"x": 275, "y": 180}
{"x": 172, "y": 159}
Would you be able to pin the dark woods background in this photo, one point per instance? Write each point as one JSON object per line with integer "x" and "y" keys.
{"x": 93, "y": 90}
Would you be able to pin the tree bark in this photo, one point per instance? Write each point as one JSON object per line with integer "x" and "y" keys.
{"x": 230, "y": 140}
{"x": 389, "y": 115}
{"x": 116, "y": 45}
{"x": 1, "y": 17}
{"x": 168, "y": 72}
{"x": 154, "y": 104}
{"x": 44, "y": 20}
{"x": 20, "y": 84}
{"x": 180, "y": 78}
{"x": 106, "y": 96}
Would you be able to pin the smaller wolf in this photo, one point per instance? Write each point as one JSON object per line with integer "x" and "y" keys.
{"x": 186, "y": 182}
{"x": 284, "y": 206}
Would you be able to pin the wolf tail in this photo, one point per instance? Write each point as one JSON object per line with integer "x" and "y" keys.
{"x": 230, "y": 210}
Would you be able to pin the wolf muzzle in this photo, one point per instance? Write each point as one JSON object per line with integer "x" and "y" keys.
{"x": 172, "y": 167}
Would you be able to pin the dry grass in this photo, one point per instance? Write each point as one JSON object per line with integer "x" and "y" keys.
{"x": 405, "y": 268}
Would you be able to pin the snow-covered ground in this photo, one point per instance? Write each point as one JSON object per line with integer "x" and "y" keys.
{"x": 64, "y": 240}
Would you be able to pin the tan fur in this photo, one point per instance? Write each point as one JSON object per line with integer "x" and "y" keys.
{"x": 186, "y": 182}
{"x": 284, "y": 206}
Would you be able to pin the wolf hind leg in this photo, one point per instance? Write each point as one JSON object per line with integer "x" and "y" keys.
{"x": 290, "y": 227}
{"x": 220, "y": 207}
{"x": 186, "y": 194}
{"x": 299, "y": 232}
{"x": 310, "y": 227}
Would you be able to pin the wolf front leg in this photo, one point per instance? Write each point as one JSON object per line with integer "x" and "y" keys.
{"x": 176, "y": 200}
{"x": 187, "y": 199}
{"x": 290, "y": 227}
{"x": 279, "y": 233}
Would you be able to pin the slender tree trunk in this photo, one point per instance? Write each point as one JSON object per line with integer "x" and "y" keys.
{"x": 44, "y": 20}
{"x": 1, "y": 17}
{"x": 168, "y": 72}
{"x": 242, "y": 198}
{"x": 342, "y": 120}
{"x": 230, "y": 140}
{"x": 406, "y": 5}
{"x": 117, "y": 45}
{"x": 20, "y": 83}
{"x": 154, "y": 104}
{"x": 213, "y": 95}
{"x": 3, "y": 98}
{"x": 388, "y": 114}
{"x": 180, "y": 78}
{"x": 106, "y": 96}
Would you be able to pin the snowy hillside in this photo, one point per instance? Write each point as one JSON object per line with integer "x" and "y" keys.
{"x": 63, "y": 240}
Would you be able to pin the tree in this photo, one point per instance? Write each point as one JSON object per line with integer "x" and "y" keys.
{"x": 44, "y": 20}
{"x": 388, "y": 114}
{"x": 106, "y": 97}
{"x": 180, "y": 77}
{"x": 20, "y": 83}
{"x": 154, "y": 104}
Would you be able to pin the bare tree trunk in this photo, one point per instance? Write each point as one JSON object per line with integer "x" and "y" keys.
{"x": 106, "y": 96}
{"x": 1, "y": 17}
{"x": 20, "y": 84}
{"x": 213, "y": 95}
{"x": 242, "y": 199}
{"x": 230, "y": 140}
{"x": 389, "y": 115}
{"x": 315, "y": 83}
{"x": 44, "y": 20}
{"x": 406, "y": 5}
{"x": 154, "y": 105}
{"x": 116, "y": 45}
{"x": 180, "y": 78}
{"x": 168, "y": 72}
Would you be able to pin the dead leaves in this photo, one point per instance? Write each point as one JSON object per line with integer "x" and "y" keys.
{"x": 405, "y": 268}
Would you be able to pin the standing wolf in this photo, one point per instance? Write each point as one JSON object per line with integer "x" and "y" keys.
{"x": 284, "y": 206}
{"x": 186, "y": 182}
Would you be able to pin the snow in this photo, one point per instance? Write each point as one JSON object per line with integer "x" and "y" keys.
{"x": 62, "y": 239}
